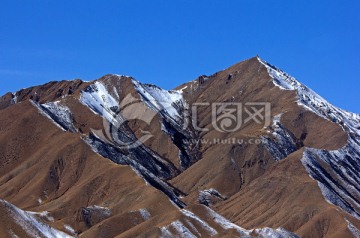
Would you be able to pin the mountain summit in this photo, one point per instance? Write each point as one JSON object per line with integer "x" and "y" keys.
{"x": 246, "y": 152}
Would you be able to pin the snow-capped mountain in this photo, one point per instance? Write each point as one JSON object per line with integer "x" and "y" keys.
{"x": 337, "y": 171}
{"x": 118, "y": 158}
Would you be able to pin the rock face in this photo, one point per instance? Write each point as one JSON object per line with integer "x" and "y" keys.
{"x": 246, "y": 152}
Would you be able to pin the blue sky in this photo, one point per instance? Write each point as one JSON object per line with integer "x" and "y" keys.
{"x": 169, "y": 42}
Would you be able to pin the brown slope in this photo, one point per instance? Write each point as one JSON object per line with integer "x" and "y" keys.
{"x": 70, "y": 178}
{"x": 18, "y": 223}
{"x": 286, "y": 196}
{"x": 9, "y": 226}
{"x": 57, "y": 172}
{"x": 63, "y": 171}
{"x": 256, "y": 86}
{"x": 260, "y": 191}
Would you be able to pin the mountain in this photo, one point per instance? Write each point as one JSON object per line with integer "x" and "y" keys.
{"x": 246, "y": 152}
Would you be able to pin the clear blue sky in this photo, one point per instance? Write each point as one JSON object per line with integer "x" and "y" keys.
{"x": 168, "y": 42}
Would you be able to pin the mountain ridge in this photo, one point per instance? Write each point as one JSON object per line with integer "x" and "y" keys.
{"x": 310, "y": 145}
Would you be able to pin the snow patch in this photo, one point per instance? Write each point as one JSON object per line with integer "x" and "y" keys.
{"x": 181, "y": 90}
{"x": 14, "y": 98}
{"x": 179, "y": 227}
{"x": 338, "y": 175}
{"x": 211, "y": 231}
{"x": 163, "y": 101}
{"x": 61, "y": 114}
{"x": 264, "y": 232}
{"x": 42, "y": 112}
{"x": 206, "y": 197}
{"x": 271, "y": 233}
{"x": 12, "y": 234}
{"x": 116, "y": 93}
{"x": 70, "y": 230}
{"x": 100, "y": 101}
{"x": 193, "y": 228}
{"x": 183, "y": 231}
{"x": 224, "y": 223}
{"x": 145, "y": 214}
{"x": 32, "y": 226}
{"x": 104, "y": 210}
{"x": 44, "y": 214}
{"x": 355, "y": 231}
{"x": 281, "y": 142}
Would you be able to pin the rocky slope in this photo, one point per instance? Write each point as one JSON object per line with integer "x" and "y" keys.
{"x": 117, "y": 158}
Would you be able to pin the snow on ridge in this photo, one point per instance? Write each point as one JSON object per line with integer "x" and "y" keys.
{"x": 61, "y": 114}
{"x": 181, "y": 229}
{"x": 99, "y": 100}
{"x": 313, "y": 101}
{"x": 193, "y": 228}
{"x": 211, "y": 231}
{"x": 355, "y": 231}
{"x": 340, "y": 185}
{"x": 161, "y": 100}
{"x": 58, "y": 114}
{"x": 42, "y": 112}
{"x": 274, "y": 233}
{"x": 32, "y": 226}
{"x": 282, "y": 143}
{"x": 224, "y": 223}
{"x": 171, "y": 106}
{"x": 263, "y": 232}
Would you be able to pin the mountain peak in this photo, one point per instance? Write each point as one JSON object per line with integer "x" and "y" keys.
{"x": 110, "y": 156}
